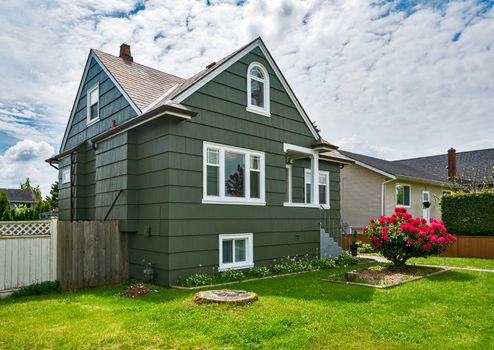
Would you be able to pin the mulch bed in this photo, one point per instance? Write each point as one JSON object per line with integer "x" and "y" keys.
{"x": 385, "y": 276}
{"x": 136, "y": 290}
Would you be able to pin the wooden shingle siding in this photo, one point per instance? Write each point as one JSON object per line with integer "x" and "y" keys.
{"x": 169, "y": 186}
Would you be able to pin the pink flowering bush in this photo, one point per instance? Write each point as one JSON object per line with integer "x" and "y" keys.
{"x": 400, "y": 237}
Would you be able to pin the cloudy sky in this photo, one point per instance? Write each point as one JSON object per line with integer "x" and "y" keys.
{"x": 393, "y": 79}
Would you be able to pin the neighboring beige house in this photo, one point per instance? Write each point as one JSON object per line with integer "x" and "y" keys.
{"x": 372, "y": 187}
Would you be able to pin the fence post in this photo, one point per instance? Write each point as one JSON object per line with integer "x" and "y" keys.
{"x": 54, "y": 243}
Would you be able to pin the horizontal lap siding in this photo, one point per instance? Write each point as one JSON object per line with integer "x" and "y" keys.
{"x": 101, "y": 173}
{"x": 184, "y": 232}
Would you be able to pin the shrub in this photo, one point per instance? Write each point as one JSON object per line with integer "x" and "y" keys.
{"x": 469, "y": 213}
{"x": 259, "y": 271}
{"x": 401, "y": 237}
{"x": 38, "y": 289}
{"x": 323, "y": 263}
{"x": 365, "y": 248}
{"x": 231, "y": 275}
{"x": 346, "y": 259}
{"x": 196, "y": 280}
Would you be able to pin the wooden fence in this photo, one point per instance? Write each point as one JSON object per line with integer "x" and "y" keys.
{"x": 465, "y": 246}
{"x": 91, "y": 253}
{"x": 347, "y": 239}
{"x": 472, "y": 247}
{"x": 28, "y": 253}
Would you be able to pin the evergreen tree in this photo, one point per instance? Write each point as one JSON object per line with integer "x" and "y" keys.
{"x": 4, "y": 203}
{"x": 7, "y": 214}
{"x": 53, "y": 198}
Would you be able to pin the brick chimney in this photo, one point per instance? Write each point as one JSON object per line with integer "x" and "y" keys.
{"x": 125, "y": 52}
{"x": 451, "y": 163}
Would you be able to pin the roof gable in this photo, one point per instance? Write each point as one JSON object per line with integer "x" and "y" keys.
{"x": 392, "y": 169}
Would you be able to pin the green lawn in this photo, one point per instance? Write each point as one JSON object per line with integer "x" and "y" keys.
{"x": 457, "y": 262}
{"x": 452, "y": 310}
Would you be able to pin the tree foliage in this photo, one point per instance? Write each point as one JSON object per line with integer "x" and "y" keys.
{"x": 400, "y": 237}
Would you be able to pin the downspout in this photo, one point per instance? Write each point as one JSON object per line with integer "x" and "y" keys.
{"x": 382, "y": 194}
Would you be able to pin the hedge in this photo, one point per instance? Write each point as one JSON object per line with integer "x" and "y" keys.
{"x": 469, "y": 213}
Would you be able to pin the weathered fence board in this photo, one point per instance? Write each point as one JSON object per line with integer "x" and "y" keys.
{"x": 28, "y": 253}
{"x": 472, "y": 247}
{"x": 93, "y": 253}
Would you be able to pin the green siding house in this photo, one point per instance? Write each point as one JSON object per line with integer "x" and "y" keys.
{"x": 223, "y": 170}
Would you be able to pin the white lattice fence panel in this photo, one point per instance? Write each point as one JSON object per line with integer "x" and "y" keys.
{"x": 25, "y": 228}
{"x": 28, "y": 253}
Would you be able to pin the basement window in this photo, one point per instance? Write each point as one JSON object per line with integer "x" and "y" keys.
{"x": 93, "y": 104}
{"x": 403, "y": 193}
{"x": 236, "y": 251}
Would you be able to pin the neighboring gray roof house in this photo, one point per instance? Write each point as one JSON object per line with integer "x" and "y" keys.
{"x": 394, "y": 169}
{"x": 18, "y": 197}
{"x": 463, "y": 165}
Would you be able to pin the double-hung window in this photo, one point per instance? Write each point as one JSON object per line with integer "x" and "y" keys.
{"x": 236, "y": 251}
{"x": 93, "y": 104}
{"x": 233, "y": 175}
{"x": 403, "y": 193}
{"x": 323, "y": 187}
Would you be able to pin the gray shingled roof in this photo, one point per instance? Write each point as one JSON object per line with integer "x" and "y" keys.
{"x": 393, "y": 168}
{"x": 16, "y": 195}
{"x": 478, "y": 163}
{"x": 143, "y": 84}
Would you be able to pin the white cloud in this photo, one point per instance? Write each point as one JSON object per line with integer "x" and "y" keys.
{"x": 26, "y": 159}
{"x": 377, "y": 77}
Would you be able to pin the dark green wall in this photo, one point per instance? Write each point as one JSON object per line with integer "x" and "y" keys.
{"x": 159, "y": 167}
{"x": 94, "y": 175}
{"x": 184, "y": 232}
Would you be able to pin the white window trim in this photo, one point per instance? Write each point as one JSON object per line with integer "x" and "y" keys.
{"x": 222, "y": 198}
{"x": 396, "y": 196}
{"x": 90, "y": 121}
{"x": 289, "y": 167}
{"x": 250, "y": 107}
{"x": 249, "y": 252}
{"x": 307, "y": 172}
{"x": 66, "y": 176}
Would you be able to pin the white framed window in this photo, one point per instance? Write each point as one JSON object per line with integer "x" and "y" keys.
{"x": 236, "y": 251}
{"x": 258, "y": 89}
{"x": 93, "y": 104}
{"x": 233, "y": 175}
{"x": 403, "y": 195}
{"x": 66, "y": 176}
{"x": 323, "y": 187}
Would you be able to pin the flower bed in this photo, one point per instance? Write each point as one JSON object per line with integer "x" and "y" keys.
{"x": 287, "y": 266}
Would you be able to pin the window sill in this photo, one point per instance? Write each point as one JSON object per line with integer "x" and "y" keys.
{"x": 242, "y": 266}
{"x": 403, "y": 206}
{"x": 302, "y": 205}
{"x": 258, "y": 111}
{"x": 92, "y": 121}
{"x": 234, "y": 202}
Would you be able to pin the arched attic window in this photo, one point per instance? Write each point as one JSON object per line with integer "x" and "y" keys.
{"x": 258, "y": 89}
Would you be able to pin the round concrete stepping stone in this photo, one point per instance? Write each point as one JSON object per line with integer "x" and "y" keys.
{"x": 225, "y": 296}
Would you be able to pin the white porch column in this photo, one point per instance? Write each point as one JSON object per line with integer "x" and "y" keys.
{"x": 314, "y": 172}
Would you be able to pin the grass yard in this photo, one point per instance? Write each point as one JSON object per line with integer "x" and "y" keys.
{"x": 457, "y": 262}
{"x": 452, "y": 310}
